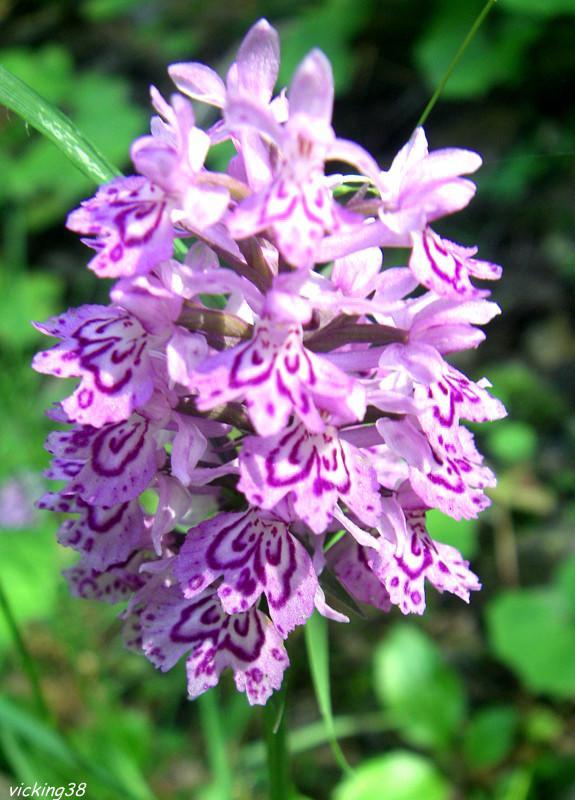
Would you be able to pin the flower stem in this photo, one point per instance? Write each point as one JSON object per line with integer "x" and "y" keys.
{"x": 26, "y": 658}
{"x": 214, "y": 323}
{"x": 455, "y": 61}
{"x": 276, "y": 746}
{"x": 216, "y": 745}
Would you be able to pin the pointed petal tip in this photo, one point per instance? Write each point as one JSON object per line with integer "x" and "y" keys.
{"x": 311, "y": 91}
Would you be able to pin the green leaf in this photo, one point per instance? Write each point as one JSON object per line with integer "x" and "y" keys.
{"x": 25, "y": 297}
{"x": 36, "y": 733}
{"x": 18, "y": 757}
{"x": 316, "y": 638}
{"x": 423, "y": 696}
{"x": 40, "y": 177}
{"x": 214, "y": 732}
{"x": 16, "y": 95}
{"x": 512, "y": 442}
{"x": 514, "y": 785}
{"x": 399, "y": 775}
{"x": 542, "y": 725}
{"x": 564, "y": 581}
{"x": 275, "y": 729}
{"x": 490, "y": 736}
{"x": 487, "y": 61}
{"x": 461, "y": 534}
{"x": 97, "y": 10}
{"x": 49, "y": 69}
{"x": 533, "y": 632}
{"x": 30, "y": 574}
{"x": 330, "y": 25}
{"x": 526, "y": 393}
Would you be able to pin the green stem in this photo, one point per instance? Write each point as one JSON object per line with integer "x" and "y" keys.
{"x": 26, "y": 658}
{"x": 216, "y": 745}
{"x": 276, "y": 746}
{"x": 455, "y": 61}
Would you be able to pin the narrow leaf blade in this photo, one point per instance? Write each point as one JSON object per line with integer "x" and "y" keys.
{"x": 316, "y": 637}
{"x": 56, "y": 126}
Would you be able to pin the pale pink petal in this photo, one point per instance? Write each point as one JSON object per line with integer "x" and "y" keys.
{"x": 199, "y": 82}
{"x": 258, "y": 62}
{"x": 311, "y": 90}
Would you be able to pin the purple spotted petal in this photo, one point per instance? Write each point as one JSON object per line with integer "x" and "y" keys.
{"x": 105, "y": 535}
{"x": 404, "y": 572}
{"x": 128, "y": 223}
{"x": 314, "y": 471}
{"x": 453, "y": 397}
{"x": 446, "y": 267}
{"x": 248, "y": 643}
{"x": 115, "y": 583}
{"x": 108, "y": 349}
{"x": 349, "y": 561}
{"x": 254, "y": 553}
{"x": 456, "y": 480}
{"x": 73, "y": 443}
{"x": 446, "y": 473}
{"x": 277, "y": 376}
{"x": 120, "y": 463}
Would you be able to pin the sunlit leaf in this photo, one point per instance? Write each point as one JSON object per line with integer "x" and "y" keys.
{"x": 398, "y": 775}
{"x": 533, "y": 632}
{"x": 490, "y": 735}
{"x": 30, "y": 573}
{"x": 512, "y": 441}
{"x": 25, "y": 297}
{"x": 422, "y": 694}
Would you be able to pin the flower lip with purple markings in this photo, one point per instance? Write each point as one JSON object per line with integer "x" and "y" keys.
{"x": 279, "y": 385}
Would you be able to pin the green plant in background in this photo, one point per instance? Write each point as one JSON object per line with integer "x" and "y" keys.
{"x": 505, "y": 740}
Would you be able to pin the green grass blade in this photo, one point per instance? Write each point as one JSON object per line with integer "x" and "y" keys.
{"x": 28, "y": 664}
{"x": 17, "y": 757}
{"x": 455, "y": 61}
{"x": 52, "y": 123}
{"x": 316, "y": 637}
{"x": 36, "y": 733}
{"x": 16, "y": 95}
{"x": 213, "y": 729}
{"x": 40, "y": 736}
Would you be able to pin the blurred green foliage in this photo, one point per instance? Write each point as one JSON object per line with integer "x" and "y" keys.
{"x": 471, "y": 702}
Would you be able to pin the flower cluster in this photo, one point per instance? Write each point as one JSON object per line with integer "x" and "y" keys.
{"x": 274, "y": 409}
